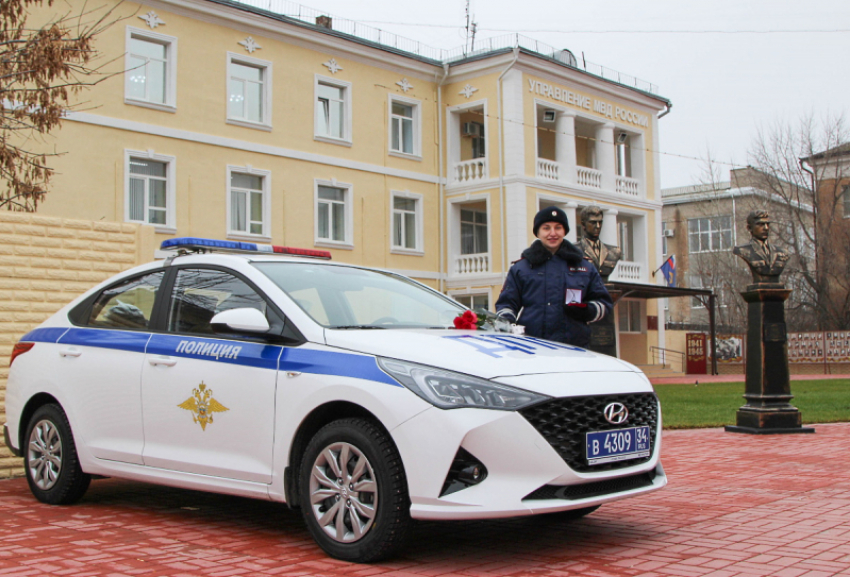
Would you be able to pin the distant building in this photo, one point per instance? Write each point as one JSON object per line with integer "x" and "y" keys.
{"x": 702, "y": 223}
{"x": 234, "y": 121}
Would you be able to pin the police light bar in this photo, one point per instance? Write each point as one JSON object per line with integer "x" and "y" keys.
{"x": 195, "y": 244}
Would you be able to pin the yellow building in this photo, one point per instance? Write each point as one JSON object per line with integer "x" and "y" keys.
{"x": 229, "y": 121}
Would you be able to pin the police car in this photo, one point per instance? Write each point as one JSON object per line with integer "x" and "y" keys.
{"x": 341, "y": 390}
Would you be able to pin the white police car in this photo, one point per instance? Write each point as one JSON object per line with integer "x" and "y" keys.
{"x": 335, "y": 388}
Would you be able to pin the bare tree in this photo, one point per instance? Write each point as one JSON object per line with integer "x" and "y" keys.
{"x": 42, "y": 69}
{"x": 813, "y": 156}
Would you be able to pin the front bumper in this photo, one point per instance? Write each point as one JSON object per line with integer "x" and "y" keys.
{"x": 7, "y": 439}
{"x": 526, "y": 475}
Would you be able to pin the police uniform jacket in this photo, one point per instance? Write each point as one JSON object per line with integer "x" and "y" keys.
{"x": 535, "y": 291}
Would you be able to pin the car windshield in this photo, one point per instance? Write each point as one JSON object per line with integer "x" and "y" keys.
{"x": 344, "y": 297}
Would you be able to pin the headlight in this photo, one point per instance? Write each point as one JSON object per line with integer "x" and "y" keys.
{"x": 449, "y": 390}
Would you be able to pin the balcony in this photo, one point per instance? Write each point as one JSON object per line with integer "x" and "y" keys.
{"x": 627, "y": 186}
{"x": 548, "y": 169}
{"x": 589, "y": 177}
{"x": 627, "y": 271}
{"x": 472, "y": 263}
{"x": 469, "y": 171}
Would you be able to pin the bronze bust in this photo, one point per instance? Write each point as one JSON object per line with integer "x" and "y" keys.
{"x": 766, "y": 260}
{"x": 603, "y": 256}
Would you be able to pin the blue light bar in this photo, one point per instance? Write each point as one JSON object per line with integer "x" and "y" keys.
{"x": 197, "y": 244}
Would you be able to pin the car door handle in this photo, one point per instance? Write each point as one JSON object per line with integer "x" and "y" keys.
{"x": 167, "y": 361}
{"x": 70, "y": 352}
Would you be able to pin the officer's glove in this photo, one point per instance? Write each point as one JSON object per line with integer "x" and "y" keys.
{"x": 581, "y": 311}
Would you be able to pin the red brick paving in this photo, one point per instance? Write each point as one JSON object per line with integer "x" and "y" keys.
{"x": 736, "y": 506}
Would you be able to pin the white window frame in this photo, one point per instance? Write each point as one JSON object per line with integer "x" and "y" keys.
{"x": 346, "y": 139}
{"x": 266, "y": 67}
{"x": 713, "y": 221}
{"x": 348, "y": 190}
{"x": 471, "y": 294}
{"x": 170, "y": 43}
{"x": 417, "y": 250}
{"x": 266, "y": 177}
{"x": 416, "y": 105}
{"x": 641, "y": 315}
{"x": 170, "y": 226}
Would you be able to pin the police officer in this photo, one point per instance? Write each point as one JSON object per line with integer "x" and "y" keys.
{"x": 553, "y": 289}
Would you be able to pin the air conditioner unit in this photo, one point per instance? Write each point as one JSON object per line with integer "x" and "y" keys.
{"x": 471, "y": 129}
{"x": 668, "y": 232}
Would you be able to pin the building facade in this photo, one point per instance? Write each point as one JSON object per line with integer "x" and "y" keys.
{"x": 225, "y": 120}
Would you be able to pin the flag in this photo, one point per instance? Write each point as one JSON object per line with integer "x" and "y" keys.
{"x": 668, "y": 269}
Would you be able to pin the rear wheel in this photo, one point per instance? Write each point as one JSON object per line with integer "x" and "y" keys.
{"x": 53, "y": 468}
{"x": 353, "y": 491}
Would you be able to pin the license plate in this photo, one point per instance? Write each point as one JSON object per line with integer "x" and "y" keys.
{"x": 619, "y": 445}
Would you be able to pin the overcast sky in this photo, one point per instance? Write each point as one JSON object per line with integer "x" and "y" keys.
{"x": 728, "y": 66}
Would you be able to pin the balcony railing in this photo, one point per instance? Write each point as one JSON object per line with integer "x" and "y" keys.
{"x": 627, "y": 271}
{"x": 627, "y": 186}
{"x": 472, "y": 263}
{"x": 589, "y": 177}
{"x": 548, "y": 169}
{"x": 470, "y": 170}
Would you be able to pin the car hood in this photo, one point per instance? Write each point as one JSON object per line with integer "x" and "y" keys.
{"x": 478, "y": 353}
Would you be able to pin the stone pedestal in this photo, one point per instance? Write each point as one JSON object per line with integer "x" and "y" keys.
{"x": 603, "y": 334}
{"x": 768, "y": 386}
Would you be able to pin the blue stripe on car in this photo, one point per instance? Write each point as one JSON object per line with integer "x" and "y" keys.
{"x": 248, "y": 354}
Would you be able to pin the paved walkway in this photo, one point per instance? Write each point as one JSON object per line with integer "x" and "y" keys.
{"x": 691, "y": 379}
{"x": 737, "y": 506}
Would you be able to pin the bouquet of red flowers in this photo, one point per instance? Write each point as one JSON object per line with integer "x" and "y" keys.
{"x": 467, "y": 320}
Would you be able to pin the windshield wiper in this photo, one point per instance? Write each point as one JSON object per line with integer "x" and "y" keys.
{"x": 342, "y": 327}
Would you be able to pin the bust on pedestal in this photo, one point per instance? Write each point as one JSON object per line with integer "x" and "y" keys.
{"x": 603, "y": 334}
{"x": 768, "y": 386}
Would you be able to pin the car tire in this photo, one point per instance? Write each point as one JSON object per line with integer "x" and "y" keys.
{"x": 50, "y": 458}
{"x": 353, "y": 491}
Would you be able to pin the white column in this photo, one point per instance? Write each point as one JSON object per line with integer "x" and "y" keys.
{"x": 513, "y": 126}
{"x": 570, "y": 209}
{"x": 518, "y": 223}
{"x": 609, "y": 227}
{"x": 565, "y": 145}
{"x": 606, "y": 161}
{"x": 638, "y": 158}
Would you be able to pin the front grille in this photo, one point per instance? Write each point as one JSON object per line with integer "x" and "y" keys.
{"x": 564, "y": 422}
{"x": 596, "y": 489}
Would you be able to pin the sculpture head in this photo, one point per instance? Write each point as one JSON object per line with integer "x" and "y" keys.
{"x": 758, "y": 223}
{"x": 591, "y": 221}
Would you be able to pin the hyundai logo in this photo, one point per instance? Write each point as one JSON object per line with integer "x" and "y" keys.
{"x": 616, "y": 413}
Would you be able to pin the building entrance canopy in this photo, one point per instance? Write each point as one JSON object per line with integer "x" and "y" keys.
{"x": 620, "y": 290}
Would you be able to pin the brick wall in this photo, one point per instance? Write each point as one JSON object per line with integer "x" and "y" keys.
{"x": 46, "y": 262}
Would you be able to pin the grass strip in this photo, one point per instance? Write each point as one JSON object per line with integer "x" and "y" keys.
{"x": 715, "y": 404}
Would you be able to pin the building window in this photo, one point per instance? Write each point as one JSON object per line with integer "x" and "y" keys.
{"x": 473, "y": 231}
{"x": 664, "y": 247}
{"x": 150, "y": 189}
{"x": 626, "y": 237}
{"x": 248, "y": 201}
{"x": 333, "y": 110}
{"x": 333, "y": 213}
{"x": 845, "y": 197}
{"x": 709, "y": 234}
{"x": 404, "y": 126}
{"x": 249, "y": 83}
{"x": 695, "y": 281}
{"x": 150, "y": 61}
{"x": 407, "y": 222}
{"x": 479, "y": 301}
{"x": 629, "y": 313}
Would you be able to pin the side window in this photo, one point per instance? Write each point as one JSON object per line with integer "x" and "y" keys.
{"x": 201, "y": 293}
{"x": 128, "y": 305}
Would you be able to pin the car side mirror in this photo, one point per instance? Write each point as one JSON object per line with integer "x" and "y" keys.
{"x": 245, "y": 320}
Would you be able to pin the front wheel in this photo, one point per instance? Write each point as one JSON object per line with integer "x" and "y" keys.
{"x": 53, "y": 468}
{"x": 353, "y": 491}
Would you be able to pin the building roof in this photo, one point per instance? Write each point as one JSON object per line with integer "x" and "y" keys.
{"x": 304, "y": 17}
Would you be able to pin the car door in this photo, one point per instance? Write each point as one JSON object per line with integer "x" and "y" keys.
{"x": 209, "y": 400}
{"x": 100, "y": 361}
